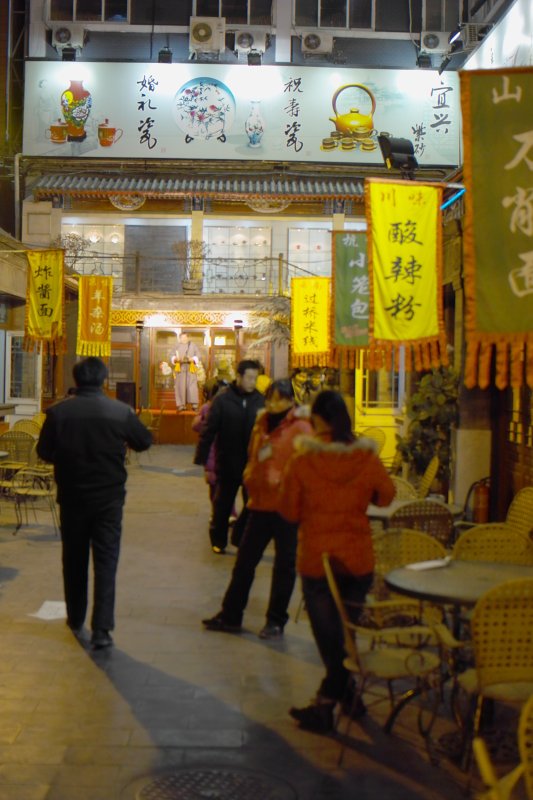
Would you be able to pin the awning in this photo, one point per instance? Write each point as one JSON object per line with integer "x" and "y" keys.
{"x": 216, "y": 187}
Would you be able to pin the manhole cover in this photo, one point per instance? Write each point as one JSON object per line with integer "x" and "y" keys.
{"x": 213, "y": 784}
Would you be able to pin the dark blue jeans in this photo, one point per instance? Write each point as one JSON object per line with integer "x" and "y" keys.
{"x": 261, "y": 528}
{"x": 327, "y": 627}
{"x": 85, "y": 528}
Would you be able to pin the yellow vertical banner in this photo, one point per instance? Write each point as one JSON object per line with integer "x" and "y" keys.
{"x": 310, "y": 309}
{"x": 94, "y": 315}
{"x": 44, "y": 324}
{"x": 405, "y": 271}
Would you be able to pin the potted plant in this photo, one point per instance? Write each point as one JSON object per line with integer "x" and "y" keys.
{"x": 433, "y": 411}
{"x": 190, "y": 256}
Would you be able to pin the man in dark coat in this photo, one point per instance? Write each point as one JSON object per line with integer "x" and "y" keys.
{"x": 85, "y": 438}
{"x": 230, "y": 421}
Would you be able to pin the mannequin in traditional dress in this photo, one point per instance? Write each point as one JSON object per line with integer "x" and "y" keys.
{"x": 185, "y": 362}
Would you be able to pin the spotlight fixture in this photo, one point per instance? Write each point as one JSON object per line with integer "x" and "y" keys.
{"x": 165, "y": 56}
{"x": 68, "y": 54}
{"x": 254, "y": 58}
{"x": 398, "y": 154}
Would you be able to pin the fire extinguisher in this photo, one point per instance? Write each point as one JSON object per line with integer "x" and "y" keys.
{"x": 481, "y": 501}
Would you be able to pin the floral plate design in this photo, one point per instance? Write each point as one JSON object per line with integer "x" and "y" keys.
{"x": 204, "y": 108}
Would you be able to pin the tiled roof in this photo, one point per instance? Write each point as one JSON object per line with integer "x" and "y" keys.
{"x": 216, "y": 187}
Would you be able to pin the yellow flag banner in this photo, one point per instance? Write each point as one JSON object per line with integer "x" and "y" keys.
{"x": 44, "y": 323}
{"x": 310, "y": 306}
{"x": 94, "y": 316}
{"x": 405, "y": 272}
{"x": 498, "y": 229}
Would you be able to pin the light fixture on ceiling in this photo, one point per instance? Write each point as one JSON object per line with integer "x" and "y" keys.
{"x": 398, "y": 154}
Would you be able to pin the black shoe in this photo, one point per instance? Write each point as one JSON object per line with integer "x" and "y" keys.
{"x": 354, "y": 712}
{"x": 218, "y": 623}
{"x": 101, "y": 639}
{"x": 315, "y": 718}
{"x": 271, "y": 631}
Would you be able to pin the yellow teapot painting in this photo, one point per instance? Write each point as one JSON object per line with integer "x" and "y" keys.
{"x": 354, "y": 123}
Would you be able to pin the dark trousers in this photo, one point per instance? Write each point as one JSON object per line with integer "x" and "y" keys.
{"x": 223, "y": 500}
{"x": 261, "y": 528}
{"x": 85, "y": 528}
{"x": 327, "y": 627}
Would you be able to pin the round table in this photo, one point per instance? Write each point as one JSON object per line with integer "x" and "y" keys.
{"x": 457, "y": 583}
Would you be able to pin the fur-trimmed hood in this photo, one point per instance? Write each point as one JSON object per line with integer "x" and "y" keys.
{"x": 296, "y": 412}
{"x": 312, "y": 444}
{"x": 336, "y": 462}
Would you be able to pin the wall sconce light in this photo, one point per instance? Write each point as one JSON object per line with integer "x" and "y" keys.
{"x": 398, "y": 154}
{"x": 254, "y": 58}
{"x": 165, "y": 56}
{"x": 139, "y": 326}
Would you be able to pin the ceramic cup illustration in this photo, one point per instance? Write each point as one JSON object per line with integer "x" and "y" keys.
{"x": 107, "y": 134}
{"x": 57, "y": 133}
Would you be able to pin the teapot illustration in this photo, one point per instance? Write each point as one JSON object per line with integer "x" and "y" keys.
{"x": 353, "y": 123}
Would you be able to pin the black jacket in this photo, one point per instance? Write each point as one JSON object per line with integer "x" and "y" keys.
{"x": 85, "y": 438}
{"x": 230, "y": 421}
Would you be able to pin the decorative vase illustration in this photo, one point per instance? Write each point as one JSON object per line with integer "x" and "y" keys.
{"x": 254, "y": 125}
{"x": 76, "y": 105}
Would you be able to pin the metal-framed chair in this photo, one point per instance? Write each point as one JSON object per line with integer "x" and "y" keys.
{"x": 494, "y": 542}
{"x": 501, "y": 630}
{"x": 501, "y": 788}
{"x": 33, "y": 486}
{"x": 425, "y": 515}
{"x": 383, "y": 660}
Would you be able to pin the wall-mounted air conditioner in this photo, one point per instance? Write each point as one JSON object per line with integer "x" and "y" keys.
{"x": 250, "y": 40}
{"x": 207, "y": 34}
{"x": 317, "y": 43}
{"x": 434, "y": 42}
{"x": 67, "y": 34}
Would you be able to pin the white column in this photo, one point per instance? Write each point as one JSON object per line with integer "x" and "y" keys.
{"x": 282, "y": 11}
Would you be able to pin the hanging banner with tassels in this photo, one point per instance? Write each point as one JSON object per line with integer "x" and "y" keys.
{"x": 44, "y": 324}
{"x": 405, "y": 272}
{"x": 498, "y": 232}
{"x": 351, "y": 296}
{"x": 310, "y": 304}
{"x": 94, "y": 316}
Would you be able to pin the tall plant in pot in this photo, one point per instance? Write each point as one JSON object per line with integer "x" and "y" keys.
{"x": 433, "y": 411}
{"x": 190, "y": 256}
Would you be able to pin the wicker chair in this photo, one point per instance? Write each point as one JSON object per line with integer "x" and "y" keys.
{"x": 428, "y": 477}
{"x": 27, "y": 426}
{"x": 376, "y": 434}
{"x": 31, "y": 486}
{"x": 404, "y": 489}
{"x": 502, "y": 788}
{"x": 383, "y": 660}
{"x": 502, "y": 638}
{"x": 39, "y": 418}
{"x": 19, "y": 445}
{"x": 494, "y": 542}
{"x": 397, "y": 547}
{"x": 425, "y": 515}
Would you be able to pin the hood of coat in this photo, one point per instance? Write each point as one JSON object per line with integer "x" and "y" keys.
{"x": 336, "y": 462}
{"x": 297, "y": 412}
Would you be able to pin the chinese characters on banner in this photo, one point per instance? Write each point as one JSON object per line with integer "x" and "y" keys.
{"x": 44, "y": 324}
{"x": 146, "y": 104}
{"x": 498, "y": 235}
{"x": 405, "y": 272}
{"x": 442, "y": 119}
{"x": 94, "y": 315}
{"x": 310, "y": 303}
{"x": 351, "y": 294}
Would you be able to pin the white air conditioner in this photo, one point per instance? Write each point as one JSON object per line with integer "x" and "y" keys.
{"x": 250, "y": 40}
{"x": 317, "y": 43}
{"x": 207, "y": 34}
{"x": 67, "y": 34}
{"x": 434, "y": 42}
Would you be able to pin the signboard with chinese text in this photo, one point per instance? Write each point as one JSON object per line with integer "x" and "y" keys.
{"x": 310, "y": 305}
{"x": 498, "y": 235}
{"x": 351, "y": 293}
{"x": 94, "y": 315}
{"x": 405, "y": 270}
{"x": 44, "y": 323}
{"x": 216, "y": 111}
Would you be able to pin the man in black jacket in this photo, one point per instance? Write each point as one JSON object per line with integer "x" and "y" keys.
{"x": 230, "y": 421}
{"x": 85, "y": 438}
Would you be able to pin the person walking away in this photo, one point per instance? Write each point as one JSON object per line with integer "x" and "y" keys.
{"x": 229, "y": 423}
{"x": 326, "y": 489}
{"x": 271, "y": 444}
{"x": 85, "y": 438}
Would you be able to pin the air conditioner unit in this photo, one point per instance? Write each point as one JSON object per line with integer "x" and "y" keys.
{"x": 317, "y": 43}
{"x": 207, "y": 34}
{"x": 67, "y": 35}
{"x": 434, "y": 42}
{"x": 250, "y": 40}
